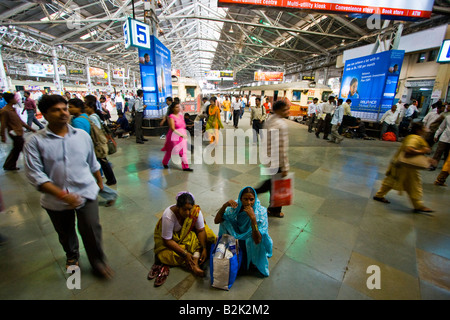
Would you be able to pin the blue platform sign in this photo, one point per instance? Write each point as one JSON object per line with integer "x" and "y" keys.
{"x": 371, "y": 82}
{"x": 156, "y": 77}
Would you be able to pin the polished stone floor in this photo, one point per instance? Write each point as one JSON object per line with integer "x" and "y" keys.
{"x": 323, "y": 248}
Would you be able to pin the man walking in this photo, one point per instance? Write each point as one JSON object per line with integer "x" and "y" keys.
{"x": 276, "y": 125}
{"x": 11, "y": 122}
{"x": 61, "y": 163}
{"x": 236, "y": 110}
{"x": 336, "y": 122}
{"x": 324, "y": 123}
{"x": 312, "y": 112}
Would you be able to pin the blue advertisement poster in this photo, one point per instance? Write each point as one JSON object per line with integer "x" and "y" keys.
{"x": 156, "y": 77}
{"x": 163, "y": 68}
{"x": 370, "y": 82}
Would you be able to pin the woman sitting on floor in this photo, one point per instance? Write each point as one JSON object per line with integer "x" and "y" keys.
{"x": 246, "y": 220}
{"x": 181, "y": 239}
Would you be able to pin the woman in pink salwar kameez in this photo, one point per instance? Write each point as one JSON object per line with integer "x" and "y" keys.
{"x": 176, "y": 138}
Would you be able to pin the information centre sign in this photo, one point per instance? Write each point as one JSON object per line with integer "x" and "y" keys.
{"x": 370, "y": 82}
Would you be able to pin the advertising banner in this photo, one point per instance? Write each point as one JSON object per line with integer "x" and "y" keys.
{"x": 44, "y": 70}
{"x": 268, "y": 76}
{"x": 370, "y": 82}
{"x": 96, "y": 72}
{"x": 156, "y": 77}
{"x": 395, "y": 9}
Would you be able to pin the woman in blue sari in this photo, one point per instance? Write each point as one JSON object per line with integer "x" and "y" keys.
{"x": 246, "y": 220}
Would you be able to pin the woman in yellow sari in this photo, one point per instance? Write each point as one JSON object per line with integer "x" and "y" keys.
{"x": 214, "y": 123}
{"x": 403, "y": 178}
{"x": 181, "y": 239}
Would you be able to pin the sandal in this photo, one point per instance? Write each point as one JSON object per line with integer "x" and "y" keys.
{"x": 154, "y": 271}
{"x": 277, "y": 215}
{"x": 384, "y": 200}
{"x": 162, "y": 276}
{"x": 71, "y": 262}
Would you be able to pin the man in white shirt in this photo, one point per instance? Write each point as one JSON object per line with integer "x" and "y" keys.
{"x": 324, "y": 124}
{"x": 442, "y": 137}
{"x": 236, "y": 110}
{"x": 389, "y": 122}
{"x": 312, "y": 112}
{"x": 412, "y": 109}
{"x": 139, "y": 107}
{"x": 336, "y": 122}
{"x": 432, "y": 121}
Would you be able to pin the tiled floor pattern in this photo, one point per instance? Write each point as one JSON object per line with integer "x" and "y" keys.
{"x": 322, "y": 248}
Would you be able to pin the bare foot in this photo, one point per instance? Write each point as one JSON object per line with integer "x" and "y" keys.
{"x": 198, "y": 272}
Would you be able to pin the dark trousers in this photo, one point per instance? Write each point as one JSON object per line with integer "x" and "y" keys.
{"x": 11, "y": 160}
{"x": 443, "y": 148}
{"x": 89, "y": 228}
{"x": 385, "y": 127}
{"x": 31, "y": 118}
{"x": 107, "y": 171}
{"x": 138, "y": 126}
{"x": 236, "y": 117}
{"x": 256, "y": 125}
{"x": 266, "y": 186}
{"x": 312, "y": 119}
{"x": 324, "y": 126}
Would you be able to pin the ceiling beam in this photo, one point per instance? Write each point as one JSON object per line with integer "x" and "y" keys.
{"x": 261, "y": 26}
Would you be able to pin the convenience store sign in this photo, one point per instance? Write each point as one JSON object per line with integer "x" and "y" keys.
{"x": 394, "y": 8}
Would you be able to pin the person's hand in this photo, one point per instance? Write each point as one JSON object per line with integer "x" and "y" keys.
{"x": 435, "y": 139}
{"x": 72, "y": 199}
{"x": 189, "y": 260}
{"x": 284, "y": 173}
{"x": 249, "y": 211}
{"x": 256, "y": 236}
{"x": 203, "y": 256}
{"x": 230, "y": 203}
{"x": 426, "y": 150}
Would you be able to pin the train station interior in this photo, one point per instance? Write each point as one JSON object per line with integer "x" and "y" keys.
{"x": 335, "y": 242}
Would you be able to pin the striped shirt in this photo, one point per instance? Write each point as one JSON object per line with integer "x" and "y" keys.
{"x": 277, "y": 126}
{"x": 67, "y": 162}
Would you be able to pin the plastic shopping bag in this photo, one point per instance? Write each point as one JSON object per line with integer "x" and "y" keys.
{"x": 224, "y": 266}
{"x": 282, "y": 193}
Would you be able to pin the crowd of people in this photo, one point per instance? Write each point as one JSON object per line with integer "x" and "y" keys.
{"x": 66, "y": 161}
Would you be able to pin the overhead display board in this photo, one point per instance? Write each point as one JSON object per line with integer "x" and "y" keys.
{"x": 444, "y": 53}
{"x": 370, "y": 82}
{"x": 394, "y": 9}
{"x": 44, "y": 70}
{"x": 226, "y": 75}
{"x": 268, "y": 76}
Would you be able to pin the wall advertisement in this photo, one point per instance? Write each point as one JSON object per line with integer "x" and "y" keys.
{"x": 156, "y": 74}
{"x": 371, "y": 82}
